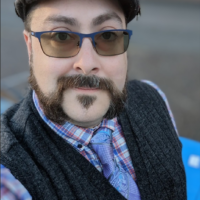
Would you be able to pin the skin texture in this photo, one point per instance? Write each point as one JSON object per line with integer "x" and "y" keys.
{"x": 47, "y": 70}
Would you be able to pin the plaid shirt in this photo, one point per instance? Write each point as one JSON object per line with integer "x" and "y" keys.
{"x": 79, "y": 138}
{"x": 12, "y": 189}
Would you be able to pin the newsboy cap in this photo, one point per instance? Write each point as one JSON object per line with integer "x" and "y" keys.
{"x": 131, "y": 8}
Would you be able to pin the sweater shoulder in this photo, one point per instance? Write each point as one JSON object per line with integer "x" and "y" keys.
{"x": 13, "y": 123}
{"x": 144, "y": 89}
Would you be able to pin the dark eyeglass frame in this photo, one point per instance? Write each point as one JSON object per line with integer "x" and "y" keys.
{"x": 81, "y": 36}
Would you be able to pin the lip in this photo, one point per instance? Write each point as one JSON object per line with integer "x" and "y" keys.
{"x": 86, "y": 89}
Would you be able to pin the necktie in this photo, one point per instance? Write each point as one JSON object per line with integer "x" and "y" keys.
{"x": 101, "y": 143}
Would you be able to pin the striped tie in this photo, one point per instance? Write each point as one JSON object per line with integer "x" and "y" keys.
{"x": 120, "y": 179}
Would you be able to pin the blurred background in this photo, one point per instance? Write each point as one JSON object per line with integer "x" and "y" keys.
{"x": 165, "y": 48}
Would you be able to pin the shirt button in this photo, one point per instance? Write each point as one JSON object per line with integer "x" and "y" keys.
{"x": 80, "y": 146}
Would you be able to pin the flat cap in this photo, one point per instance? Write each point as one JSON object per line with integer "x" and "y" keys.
{"x": 131, "y": 8}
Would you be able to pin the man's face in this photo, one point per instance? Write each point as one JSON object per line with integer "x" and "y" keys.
{"x": 52, "y": 16}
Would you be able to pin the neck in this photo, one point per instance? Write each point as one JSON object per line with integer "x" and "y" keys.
{"x": 90, "y": 124}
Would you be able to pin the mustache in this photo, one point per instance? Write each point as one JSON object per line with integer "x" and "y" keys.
{"x": 52, "y": 102}
{"x": 77, "y": 81}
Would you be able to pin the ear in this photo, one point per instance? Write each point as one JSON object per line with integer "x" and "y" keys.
{"x": 27, "y": 38}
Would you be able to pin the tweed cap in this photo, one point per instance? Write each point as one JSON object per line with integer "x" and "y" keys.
{"x": 131, "y": 8}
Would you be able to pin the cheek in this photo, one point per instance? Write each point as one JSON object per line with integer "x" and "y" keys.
{"x": 47, "y": 70}
{"x": 117, "y": 70}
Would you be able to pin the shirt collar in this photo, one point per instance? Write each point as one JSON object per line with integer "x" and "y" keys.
{"x": 69, "y": 130}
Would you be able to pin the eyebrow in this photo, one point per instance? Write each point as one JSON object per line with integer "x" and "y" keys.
{"x": 74, "y": 22}
{"x": 62, "y": 19}
{"x": 105, "y": 17}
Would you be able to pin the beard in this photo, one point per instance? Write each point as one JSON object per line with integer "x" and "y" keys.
{"x": 52, "y": 103}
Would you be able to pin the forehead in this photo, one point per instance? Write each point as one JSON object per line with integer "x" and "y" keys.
{"x": 77, "y": 14}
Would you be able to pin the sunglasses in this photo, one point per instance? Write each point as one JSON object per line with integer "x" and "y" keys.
{"x": 66, "y": 44}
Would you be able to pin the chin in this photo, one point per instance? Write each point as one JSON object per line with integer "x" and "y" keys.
{"x": 86, "y": 115}
{"x": 86, "y": 119}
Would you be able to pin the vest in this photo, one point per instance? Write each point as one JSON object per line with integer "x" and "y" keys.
{"x": 50, "y": 168}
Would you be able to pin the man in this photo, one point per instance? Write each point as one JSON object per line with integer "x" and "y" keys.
{"x": 82, "y": 132}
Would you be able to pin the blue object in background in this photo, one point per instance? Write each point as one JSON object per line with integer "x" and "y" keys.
{"x": 5, "y": 104}
{"x": 191, "y": 160}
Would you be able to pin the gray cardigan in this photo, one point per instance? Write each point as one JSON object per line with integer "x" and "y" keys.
{"x": 52, "y": 169}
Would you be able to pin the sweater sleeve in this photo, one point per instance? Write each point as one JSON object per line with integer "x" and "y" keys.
{"x": 162, "y": 94}
{"x": 11, "y": 188}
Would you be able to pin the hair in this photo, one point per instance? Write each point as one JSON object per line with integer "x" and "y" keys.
{"x": 29, "y": 14}
{"x": 52, "y": 104}
{"x": 28, "y": 17}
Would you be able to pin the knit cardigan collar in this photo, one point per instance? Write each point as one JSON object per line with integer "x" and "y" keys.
{"x": 50, "y": 168}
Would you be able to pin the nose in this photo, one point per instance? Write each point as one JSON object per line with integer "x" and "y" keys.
{"x": 87, "y": 61}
